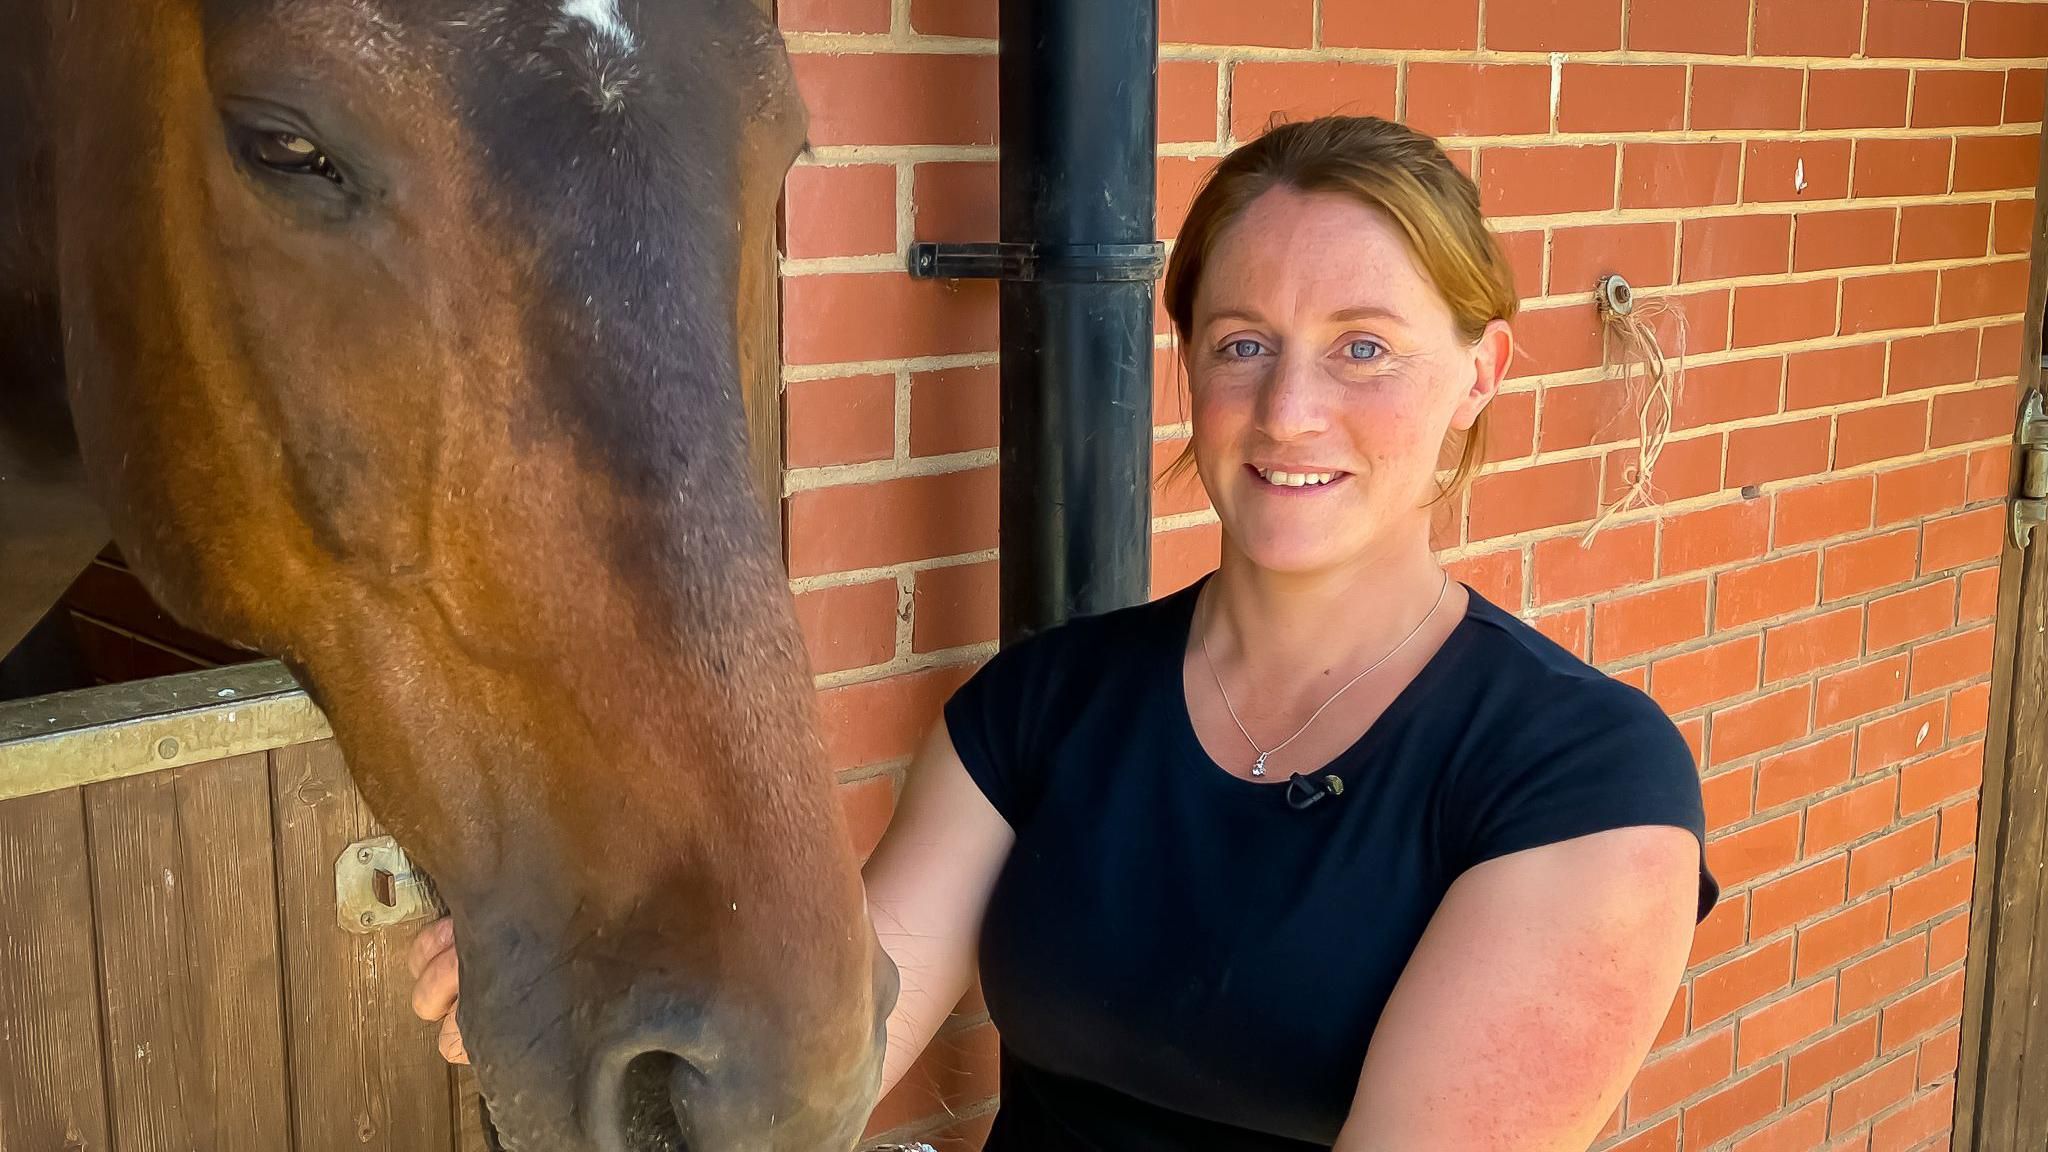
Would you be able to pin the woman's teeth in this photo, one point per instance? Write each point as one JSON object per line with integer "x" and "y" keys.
{"x": 1296, "y": 479}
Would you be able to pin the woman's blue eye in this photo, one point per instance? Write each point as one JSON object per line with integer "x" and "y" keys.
{"x": 1244, "y": 349}
{"x": 1363, "y": 350}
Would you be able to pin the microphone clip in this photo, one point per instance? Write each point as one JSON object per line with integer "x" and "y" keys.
{"x": 1305, "y": 792}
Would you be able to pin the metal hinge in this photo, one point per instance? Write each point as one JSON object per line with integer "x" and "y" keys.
{"x": 376, "y": 886}
{"x": 2030, "y": 506}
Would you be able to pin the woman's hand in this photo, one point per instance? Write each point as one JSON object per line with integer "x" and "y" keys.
{"x": 432, "y": 960}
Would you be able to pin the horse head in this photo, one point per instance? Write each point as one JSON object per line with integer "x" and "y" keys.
{"x": 402, "y": 344}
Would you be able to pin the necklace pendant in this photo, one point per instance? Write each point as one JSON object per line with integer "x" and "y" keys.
{"x": 1259, "y": 765}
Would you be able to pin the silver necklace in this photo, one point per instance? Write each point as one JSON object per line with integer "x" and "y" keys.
{"x": 1259, "y": 765}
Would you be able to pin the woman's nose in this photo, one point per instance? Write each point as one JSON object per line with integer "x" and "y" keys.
{"x": 1295, "y": 400}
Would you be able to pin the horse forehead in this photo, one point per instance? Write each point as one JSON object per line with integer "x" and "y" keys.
{"x": 603, "y": 18}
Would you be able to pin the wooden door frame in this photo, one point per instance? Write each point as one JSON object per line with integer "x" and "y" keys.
{"x": 2004, "y": 1030}
{"x": 760, "y": 358}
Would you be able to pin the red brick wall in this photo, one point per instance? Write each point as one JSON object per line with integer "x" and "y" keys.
{"x": 1813, "y": 600}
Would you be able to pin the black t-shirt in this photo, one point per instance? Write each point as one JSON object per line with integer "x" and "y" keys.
{"x": 1176, "y": 957}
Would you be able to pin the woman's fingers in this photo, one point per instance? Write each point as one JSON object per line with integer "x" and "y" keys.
{"x": 433, "y": 994}
{"x": 432, "y": 940}
{"x": 451, "y": 1042}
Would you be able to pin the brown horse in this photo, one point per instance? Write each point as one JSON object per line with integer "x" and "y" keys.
{"x": 401, "y": 342}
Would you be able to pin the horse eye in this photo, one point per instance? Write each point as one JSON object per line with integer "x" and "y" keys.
{"x": 293, "y": 155}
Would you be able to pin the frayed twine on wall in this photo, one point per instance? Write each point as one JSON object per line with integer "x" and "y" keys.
{"x": 1650, "y": 380}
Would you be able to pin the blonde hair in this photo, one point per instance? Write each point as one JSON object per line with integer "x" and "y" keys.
{"x": 1381, "y": 164}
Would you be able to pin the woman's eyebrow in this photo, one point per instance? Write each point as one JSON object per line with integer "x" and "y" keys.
{"x": 1366, "y": 312}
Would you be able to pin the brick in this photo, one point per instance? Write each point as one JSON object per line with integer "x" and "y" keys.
{"x": 1838, "y": 98}
{"x": 1764, "y": 590}
{"x": 1182, "y": 493}
{"x": 1883, "y": 742}
{"x": 1726, "y": 795}
{"x": 1977, "y": 595}
{"x": 1578, "y": 415}
{"x": 954, "y": 201}
{"x": 1476, "y": 99}
{"x": 1775, "y": 1027}
{"x": 1722, "y": 931}
{"x": 1940, "y": 1052}
{"x": 1830, "y": 1059}
{"x": 1959, "y": 824}
{"x": 1996, "y": 163}
{"x": 1726, "y": 97}
{"x": 1554, "y": 26}
{"x": 974, "y": 18}
{"x": 1859, "y": 566}
{"x": 1735, "y": 1107}
{"x": 1722, "y": 246}
{"x": 2012, "y": 226}
{"x": 1851, "y": 816}
{"x": 2000, "y": 353}
{"x": 1808, "y": 27}
{"x": 1688, "y": 468}
{"x": 1988, "y": 472}
{"x": 1564, "y": 339}
{"x": 1890, "y": 300}
{"x": 1733, "y": 390}
{"x": 868, "y": 804}
{"x": 1281, "y": 24}
{"x": 1758, "y": 850}
{"x": 1692, "y": 175}
{"x": 1262, "y": 92}
{"x": 1714, "y": 27}
{"x": 1495, "y": 575}
{"x": 1568, "y": 629}
{"x": 1796, "y": 1131}
{"x": 2024, "y": 92}
{"x": 1632, "y": 625}
{"x": 1187, "y": 101}
{"x": 1179, "y": 178}
{"x": 953, "y": 606}
{"x": 1952, "y": 660}
{"x": 1978, "y": 414}
{"x": 1803, "y": 169}
{"x": 881, "y": 720}
{"x": 850, "y": 626}
{"x": 1851, "y": 932}
{"x": 845, "y": 210}
{"x": 1854, "y": 237}
{"x": 1617, "y": 558}
{"x": 1542, "y": 180}
{"x": 1452, "y": 24}
{"x": 2001, "y": 29}
{"x": 1953, "y": 98}
{"x": 884, "y": 316}
{"x": 1943, "y": 231}
{"x": 1869, "y": 1094}
{"x": 953, "y": 410}
{"x": 1910, "y": 167}
{"x": 1948, "y": 943}
{"x": 900, "y": 97}
{"x": 1820, "y": 511}
{"x": 1947, "y": 888}
{"x": 1782, "y": 313}
{"x": 1524, "y": 251}
{"x": 1920, "y": 490}
{"x": 1673, "y": 1076}
{"x": 1826, "y": 377}
{"x": 1891, "y": 856}
{"x": 1914, "y": 29}
{"x": 1860, "y": 691}
{"x": 1708, "y": 676}
{"x": 1617, "y": 97}
{"x": 891, "y": 522}
{"x": 1969, "y": 710}
{"x": 1965, "y": 538}
{"x": 1802, "y": 646}
{"x": 1878, "y": 978}
{"x": 1661, "y": 1138}
{"x": 1883, "y": 433}
{"x": 1904, "y": 617}
{"x": 1511, "y": 427}
{"x": 1931, "y": 361}
{"x": 1764, "y": 453}
{"x": 1927, "y": 1116}
{"x": 842, "y": 420}
{"x": 1643, "y": 253}
{"x": 1182, "y": 555}
{"x": 1545, "y": 496}
{"x": 1804, "y": 772}
{"x": 833, "y": 15}
{"x": 1798, "y": 897}
{"x": 1714, "y": 537}
{"x": 1981, "y": 290}
{"x": 1674, "y": 1019}
{"x": 1922, "y": 1011}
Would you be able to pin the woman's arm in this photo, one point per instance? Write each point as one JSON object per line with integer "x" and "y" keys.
{"x": 928, "y": 884}
{"x": 1532, "y": 998}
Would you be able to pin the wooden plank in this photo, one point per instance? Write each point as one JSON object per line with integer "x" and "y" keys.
{"x": 52, "y": 1090}
{"x": 186, "y": 893}
{"x": 108, "y": 592}
{"x": 469, "y": 1117}
{"x": 365, "y": 1075}
{"x": 760, "y": 351}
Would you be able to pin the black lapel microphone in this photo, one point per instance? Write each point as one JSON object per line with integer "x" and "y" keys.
{"x": 1305, "y": 792}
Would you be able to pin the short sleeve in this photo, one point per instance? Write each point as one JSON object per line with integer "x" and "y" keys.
{"x": 1600, "y": 757}
{"x": 994, "y": 718}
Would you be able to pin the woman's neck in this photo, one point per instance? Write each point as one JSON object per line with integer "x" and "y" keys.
{"x": 1287, "y": 624}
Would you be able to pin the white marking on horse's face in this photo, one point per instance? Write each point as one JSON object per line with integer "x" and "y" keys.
{"x": 603, "y": 17}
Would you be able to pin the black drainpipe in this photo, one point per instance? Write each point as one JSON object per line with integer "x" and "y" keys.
{"x": 1077, "y": 259}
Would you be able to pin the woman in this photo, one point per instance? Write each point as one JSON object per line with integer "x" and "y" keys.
{"x": 1326, "y": 850}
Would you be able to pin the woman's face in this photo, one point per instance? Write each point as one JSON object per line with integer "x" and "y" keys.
{"x": 1326, "y": 373}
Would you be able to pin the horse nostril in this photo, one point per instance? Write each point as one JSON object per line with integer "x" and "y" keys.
{"x": 647, "y": 1103}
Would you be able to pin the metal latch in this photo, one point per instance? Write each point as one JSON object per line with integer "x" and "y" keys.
{"x": 2030, "y": 507}
{"x": 376, "y": 887}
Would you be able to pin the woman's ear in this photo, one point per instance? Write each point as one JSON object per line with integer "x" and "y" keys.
{"x": 1491, "y": 355}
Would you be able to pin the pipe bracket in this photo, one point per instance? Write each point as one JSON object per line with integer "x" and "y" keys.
{"x": 1070, "y": 263}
